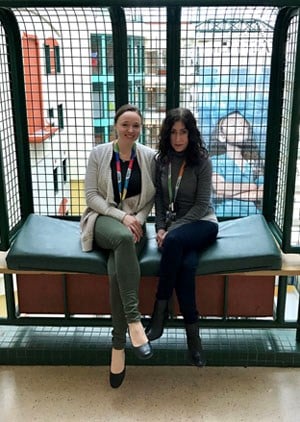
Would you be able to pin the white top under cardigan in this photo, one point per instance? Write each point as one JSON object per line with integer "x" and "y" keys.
{"x": 99, "y": 190}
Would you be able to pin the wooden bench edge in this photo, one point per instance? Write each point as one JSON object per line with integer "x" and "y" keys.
{"x": 290, "y": 267}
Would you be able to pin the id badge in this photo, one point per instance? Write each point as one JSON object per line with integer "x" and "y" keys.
{"x": 170, "y": 216}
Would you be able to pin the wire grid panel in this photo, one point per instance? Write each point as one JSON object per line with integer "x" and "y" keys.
{"x": 73, "y": 105}
{"x": 59, "y": 81}
{"x": 8, "y": 165}
{"x": 147, "y": 49}
{"x": 225, "y": 76}
{"x": 224, "y": 68}
{"x": 284, "y": 151}
{"x": 291, "y": 53}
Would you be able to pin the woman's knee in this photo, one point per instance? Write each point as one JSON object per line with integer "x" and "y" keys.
{"x": 126, "y": 238}
{"x": 171, "y": 240}
{"x": 190, "y": 262}
{"x": 123, "y": 239}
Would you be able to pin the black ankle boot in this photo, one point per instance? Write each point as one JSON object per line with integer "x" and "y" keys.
{"x": 194, "y": 345}
{"x": 160, "y": 314}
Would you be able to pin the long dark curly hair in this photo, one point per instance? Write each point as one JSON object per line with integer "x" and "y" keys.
{"x": 196, "y": 149}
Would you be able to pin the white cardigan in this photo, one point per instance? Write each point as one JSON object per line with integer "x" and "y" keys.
{"x": 100, "y": 193}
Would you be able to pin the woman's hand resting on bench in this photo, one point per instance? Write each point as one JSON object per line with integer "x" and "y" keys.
{"x": 160, "y": 237}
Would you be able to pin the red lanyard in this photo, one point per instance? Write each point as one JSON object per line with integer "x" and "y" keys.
{"x": 123, "y": 192}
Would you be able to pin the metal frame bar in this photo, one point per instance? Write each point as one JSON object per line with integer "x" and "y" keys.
{"x": 238, "y": 322}
{"x": 11, "y": 27}
{"x": 292, "y": 161}
{"x": 173, "y": 56}
{"x": 143, "y": 3}
{"x": 274, "y": 112}
{"x": 4, "y": 222}
{"x": 10, "y": 299}
{"x": 120, "y": 55}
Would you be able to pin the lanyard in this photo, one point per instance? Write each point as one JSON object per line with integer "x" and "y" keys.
{"x": 180, "y": 174}
{"x": 122, "y": 193}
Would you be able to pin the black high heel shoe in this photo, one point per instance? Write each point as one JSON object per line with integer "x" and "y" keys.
{"x": 116, "y": 379}
{"x": 144, "y": 351}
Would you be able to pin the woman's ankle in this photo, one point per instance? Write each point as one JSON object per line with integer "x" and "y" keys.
{"x": 117, "y": 364}
{"x": 137, "y": 333}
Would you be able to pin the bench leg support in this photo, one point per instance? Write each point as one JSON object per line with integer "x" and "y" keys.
{"x": 10, "y": 297}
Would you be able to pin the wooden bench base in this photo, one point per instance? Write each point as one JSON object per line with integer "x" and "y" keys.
{"x": 216, "y": 295}
{"x": 249, "y": 294}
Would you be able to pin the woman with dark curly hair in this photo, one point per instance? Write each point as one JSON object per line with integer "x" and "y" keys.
{"x": 185, "y": 222}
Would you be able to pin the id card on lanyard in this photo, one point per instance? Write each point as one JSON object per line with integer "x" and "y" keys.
{"x": 171, "y": 214}
{"x": 123, "y": 190}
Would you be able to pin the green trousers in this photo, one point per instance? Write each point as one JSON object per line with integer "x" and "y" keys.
{"x": 124, "y": 274}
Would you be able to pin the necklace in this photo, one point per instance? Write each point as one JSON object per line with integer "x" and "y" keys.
{"x": 124, "y": 157}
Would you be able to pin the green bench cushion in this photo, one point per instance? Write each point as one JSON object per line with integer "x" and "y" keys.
{"x": 47, "y": 243}
{"x": 244, "y": 244}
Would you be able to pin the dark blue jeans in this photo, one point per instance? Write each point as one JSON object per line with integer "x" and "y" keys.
{"x": 179, "y": 261}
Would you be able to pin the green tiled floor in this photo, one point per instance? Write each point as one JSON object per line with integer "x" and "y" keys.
{"x": 31, "y": 345}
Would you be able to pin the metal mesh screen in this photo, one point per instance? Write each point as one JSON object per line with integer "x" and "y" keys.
{"x": 74, "y": 53}
{"x": 295, "y": 232}
{"x": 62, "y": 122}
{"x": 285, "y": 126}
{"x": 225, "y": 60}
{"x": 8, "y": 165}
{"x": 285, "y": 138}
{"x": 147, "y": 39}
{"x": 225, "y": 75}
